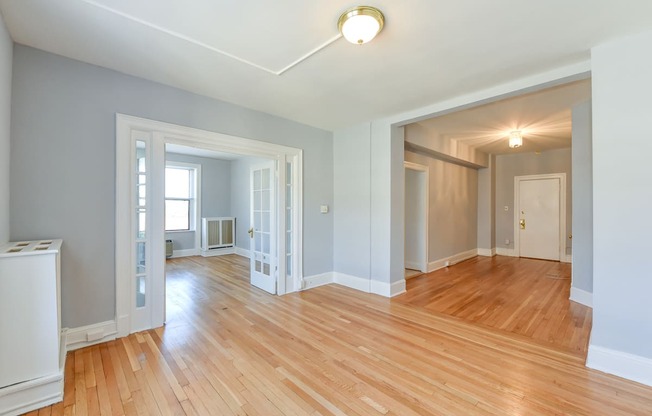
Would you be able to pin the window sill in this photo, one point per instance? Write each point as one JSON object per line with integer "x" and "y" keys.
{"x": 179, "y": 231}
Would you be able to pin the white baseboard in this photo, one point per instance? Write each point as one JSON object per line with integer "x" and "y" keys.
{"x": 217, "y": 252}
{"x": 242, "y": 252}
{"x": 185, "y": 253}
{"x": 90, "y": 335}
{"x": 502, "y": 251}
{"x": 310, "y": 282}
{"x": 370, "y": 286}
{"x": 354, "y": 282}
{"x": 487, "y": 252}
{"x": 621, "y": 364}
{"x": 451, "y": 260}
{"x": 31, "y": 395}
{"x": 581, "y": 296}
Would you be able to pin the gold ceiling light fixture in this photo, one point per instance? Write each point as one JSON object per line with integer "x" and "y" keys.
{"x": 361, "y": 24}
{"x": 515, "y": 139}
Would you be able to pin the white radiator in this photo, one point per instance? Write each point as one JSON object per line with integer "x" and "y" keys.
{"x": 217, "y": 233}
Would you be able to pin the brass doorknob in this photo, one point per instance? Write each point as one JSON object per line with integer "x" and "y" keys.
{"x": 522, "y": 224}
{"x": 251, "y": 232}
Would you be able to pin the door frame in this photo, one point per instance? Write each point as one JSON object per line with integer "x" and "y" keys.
{"x": 562, "y": 210}
{"x": 424, "y": 170}
{"x": 160, "y": 134}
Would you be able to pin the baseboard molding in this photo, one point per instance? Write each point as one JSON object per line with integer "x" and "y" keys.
{"x": 487, "y": 252}
{"x": 242, "y": 252}
{"x": 217, "y": 252}
{"x": 90, "y": 335}
{"x": 581, "y": 296}
{"x": 502, "y": 251}
{"x": 621, "y": 364}
{"x": 567, "y": 259}
{"x": 316, "y": 280}
{"x": 451, "y": 260}
{"x": 31, "y": 395}
{"x": 353, "y": 282}
{"x": 185, "y": 253}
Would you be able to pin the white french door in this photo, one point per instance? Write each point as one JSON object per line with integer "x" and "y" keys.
{"x": 262, "y": 231}
{"x": 140, "y": 228}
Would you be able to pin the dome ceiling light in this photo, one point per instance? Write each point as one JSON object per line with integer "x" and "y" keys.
{"x": 361, "y": 24}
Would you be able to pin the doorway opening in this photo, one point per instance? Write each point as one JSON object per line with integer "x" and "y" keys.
{"x": 140, "y": 214}
{"x": 416, "y": 219}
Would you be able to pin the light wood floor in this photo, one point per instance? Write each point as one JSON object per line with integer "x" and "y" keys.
{"x": 523, "y": 296}
{"x": 229, "y": 348}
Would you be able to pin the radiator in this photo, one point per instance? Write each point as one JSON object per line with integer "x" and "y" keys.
{"x": 217, "y": 233}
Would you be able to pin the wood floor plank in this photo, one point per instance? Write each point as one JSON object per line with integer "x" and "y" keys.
{"x": 523, "y": 296}
{"x": 457, "y": 343}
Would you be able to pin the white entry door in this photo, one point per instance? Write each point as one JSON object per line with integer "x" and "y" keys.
{"x": 263, "y": 228}
{"x": 539, "y": 218}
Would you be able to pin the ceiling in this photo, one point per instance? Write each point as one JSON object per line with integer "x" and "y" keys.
{"x": 235, "y": 50}
{"x": 543, "y": 117}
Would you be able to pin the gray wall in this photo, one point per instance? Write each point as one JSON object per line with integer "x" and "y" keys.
{"x": 215, "y": 194}
{"x": 453, "y": 197}
{"x": 487, "y": 205}
{"x": 6, "y": 58}
{"x": 415, "y": 233}
{"x": 240, "y": 197}
{"x": 352, "y": 209}
{"x": 622, "y": 265}
{"x": 519, "y": 164}
{"x": 63, "y": 166}
{"x": 582, "y": 199}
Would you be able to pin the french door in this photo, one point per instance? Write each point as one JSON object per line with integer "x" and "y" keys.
{"x": 263, "y": 226}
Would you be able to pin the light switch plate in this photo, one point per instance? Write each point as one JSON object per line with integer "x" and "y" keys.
{"x": 324, "y": 209}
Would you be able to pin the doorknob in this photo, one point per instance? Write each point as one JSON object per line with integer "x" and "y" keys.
{"x": 522, "y": 224}
{"x": 251, "y": 232}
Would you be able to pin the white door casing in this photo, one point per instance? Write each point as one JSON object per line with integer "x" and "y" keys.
{"x": 540, "y": 216}
{"x": 263, "y": 227}
{"x": 157, "y": 134}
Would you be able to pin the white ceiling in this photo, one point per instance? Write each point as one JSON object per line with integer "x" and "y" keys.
{"x": 544, "y": 119}
{"x": 233, "y": 49}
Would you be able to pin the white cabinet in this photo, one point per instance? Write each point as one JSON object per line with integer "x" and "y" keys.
{"x": 31, "y": 356}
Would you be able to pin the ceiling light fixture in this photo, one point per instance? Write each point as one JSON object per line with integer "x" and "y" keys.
{"x": 361, "y": 24}
{"x": 515, "y": 139}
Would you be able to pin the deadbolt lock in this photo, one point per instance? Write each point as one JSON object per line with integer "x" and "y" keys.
{"x": 522, "y": 224}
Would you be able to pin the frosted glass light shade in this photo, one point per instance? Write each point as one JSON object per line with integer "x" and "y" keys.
{"x": 515, "y": 139}
{"x": 361, "y": 24}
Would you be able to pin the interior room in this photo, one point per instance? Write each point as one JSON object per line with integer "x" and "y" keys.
{"x": 353, "y": 122}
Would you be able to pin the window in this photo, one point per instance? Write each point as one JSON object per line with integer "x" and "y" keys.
{"x": 180, "y": 196}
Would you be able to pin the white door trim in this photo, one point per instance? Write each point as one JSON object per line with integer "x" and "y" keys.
{"x": 426, "y": 209}
{"x": 562, "y": 210}
{"x": 163, "y": 133}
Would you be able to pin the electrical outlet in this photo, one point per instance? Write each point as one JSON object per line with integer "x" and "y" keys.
{"x": 507, "y": 241}
{"x": 506, "y": 208}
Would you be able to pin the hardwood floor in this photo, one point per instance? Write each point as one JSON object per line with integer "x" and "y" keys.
{"x": 523, "y": 296}
{"x": 229, "y": 349}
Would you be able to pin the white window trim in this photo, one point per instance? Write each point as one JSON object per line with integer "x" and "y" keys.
{"x": 195, "y": 198}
